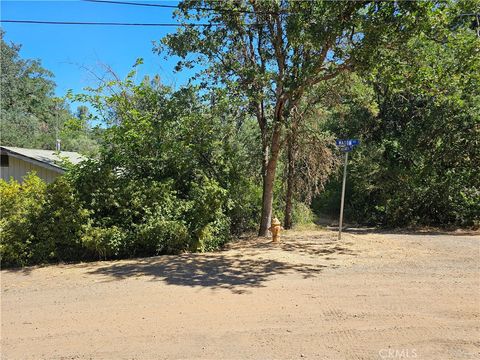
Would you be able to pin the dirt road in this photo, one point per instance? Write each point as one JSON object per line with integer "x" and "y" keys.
{"x": 370, "y": 296}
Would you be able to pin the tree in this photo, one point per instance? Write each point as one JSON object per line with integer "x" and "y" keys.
{"x": 171, "y": 174}
{"x": 420, "y": 149}
{"x": 27, "y": 99}
{"x": 82, "y": 113}
{"x": 310, "y": 158}
{"x": 272, "y": 52}
{"x": 32, "y": 116}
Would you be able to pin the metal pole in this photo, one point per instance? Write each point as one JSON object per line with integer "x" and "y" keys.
{"x": 343, "y": 197}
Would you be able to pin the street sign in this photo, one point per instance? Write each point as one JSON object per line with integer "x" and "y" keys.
{"x": 349, "y": 142}
{"x": 345, "y": 146}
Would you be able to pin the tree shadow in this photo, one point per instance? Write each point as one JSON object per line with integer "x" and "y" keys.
{"x": 246, "y": 263}
{"x": 311, "y": 245}
{"x": 25, "y": 271}
{"x": 325, "y": 250}
{"x": 215, "y": 271}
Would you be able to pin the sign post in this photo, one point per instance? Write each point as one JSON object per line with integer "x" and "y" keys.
{"x": 346, "y": 146}
{"x": 343, "y": 196}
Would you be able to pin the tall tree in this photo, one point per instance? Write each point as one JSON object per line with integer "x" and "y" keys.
{"x": 272, "y": 52}
{"x": 421, "y": 149}
{"x": 82, "y": 112}
{"x": 31, "y": 114}
{"x": 310, "y": 158}
{"x": 27, "y": 100}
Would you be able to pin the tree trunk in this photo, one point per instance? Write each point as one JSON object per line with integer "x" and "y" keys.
{"x": 269, "y": 180}
{"x": 291, "y": 159}
{"x": 290, "y": 183}
{"x": 267, "y": 198}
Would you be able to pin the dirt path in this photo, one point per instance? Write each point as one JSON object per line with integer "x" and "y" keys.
{"x": 369, "y": 296}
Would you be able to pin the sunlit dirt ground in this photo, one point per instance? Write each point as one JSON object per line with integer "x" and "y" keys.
{"x": 369, "y": 296}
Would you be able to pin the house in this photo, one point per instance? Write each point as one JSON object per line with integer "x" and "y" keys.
{"x": 17, "y": 162}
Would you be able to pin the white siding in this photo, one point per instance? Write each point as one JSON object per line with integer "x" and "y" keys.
{"x": 18, "y": 168}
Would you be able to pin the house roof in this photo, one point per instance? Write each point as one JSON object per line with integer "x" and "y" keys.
{"x": 46, "y": 158}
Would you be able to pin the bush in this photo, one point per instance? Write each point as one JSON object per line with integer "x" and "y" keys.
{"x": 158, "y": 236}
{"x": 20, "y": 206}
{"x": 104, "y": 243}
{"x": 155, "y": 217}
{"x": 41, "y": 223}
{"x": 60, "y": 226}
{"x": 208, "y": 224}
{"x": 171, "y": 176}
{"x": 302, "y": 214}
{"x": 244, "y": 206}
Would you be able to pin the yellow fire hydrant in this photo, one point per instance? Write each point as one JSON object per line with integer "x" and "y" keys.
{"x": 275, "y": 229}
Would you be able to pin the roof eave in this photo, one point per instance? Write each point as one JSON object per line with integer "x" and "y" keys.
{"x": 55, "y": 168}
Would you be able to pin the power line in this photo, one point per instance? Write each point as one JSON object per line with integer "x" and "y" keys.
{"x": 132, "y": 3}
{"x": 239, "y": 11}
{"x": 99, "y": 23}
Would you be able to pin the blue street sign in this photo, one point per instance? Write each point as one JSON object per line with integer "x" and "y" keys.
{"x": 349, "y": 142}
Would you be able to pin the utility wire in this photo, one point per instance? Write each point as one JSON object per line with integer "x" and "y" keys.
{"x": 132, "y": 3}
{"x": 177, "y": 7}
{"x": 100, "y": 23}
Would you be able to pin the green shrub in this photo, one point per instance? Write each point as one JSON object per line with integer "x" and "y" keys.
{"x": 244, "y": 206}
{"x": 302, "y": 214}
{"x": 158, "y": 236}
{"x": 208, "y": 224}
{"x": 58, "y": 230}
{"x": 214, "y": 235}
{"x": 104, "y": 243}
{"x": 20, "y": 206}
{"x": 41, "y": 223}
{"x": 171, "y": 175}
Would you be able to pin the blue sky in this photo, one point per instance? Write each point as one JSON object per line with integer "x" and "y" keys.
{"x": 67, "y": 49}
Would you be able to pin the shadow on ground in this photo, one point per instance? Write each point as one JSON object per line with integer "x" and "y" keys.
{"x": 212, "y": 271}
{"x": 247, "y": 264}
{"x": 310, "y": 245}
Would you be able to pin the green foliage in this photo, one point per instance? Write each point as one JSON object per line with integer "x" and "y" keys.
{"x": 179, "y": 170}
{"x": 27, "y": 100}
{"x": 246, "y": 196}
{"x": 20, "y": 206}
{"x": 420, "y": 151}
{"x": 158, "y": 236}
{"x": 145, "y": 214}
{"x": 40, "y": 223}
{"x": 173, "y": 174}
{"x": 302, "y": 214}
{"x": 104, "y": 243}
{"x": 57, "y": 232}
{"x": 270, "y": 54}
{"x": 31, "y": 115}
{"x": 210, "y": 225}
